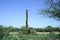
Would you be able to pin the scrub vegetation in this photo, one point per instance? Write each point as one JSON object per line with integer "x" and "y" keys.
{"x": 11, "y": 33}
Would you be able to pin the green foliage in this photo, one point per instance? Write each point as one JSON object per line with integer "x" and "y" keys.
{"x": 32, "y": 30}
{"x": 54, "y": 36}
{"x": 48, "y": 29}
{"x": 1, "y": 31}
{"x": 52, "y": 9}
{"x": 10, "y": 28}
{"x": 32, "y": 37}
{"x": 4, "y": 34}
{"x": 24, "y": 30}
{"x": 28, "y": 31}
{"x": 10, "y": 37}
{"x": 40, "y": 30}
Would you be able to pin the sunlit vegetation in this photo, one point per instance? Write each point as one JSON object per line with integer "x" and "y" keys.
{"x": 11, "y": 33}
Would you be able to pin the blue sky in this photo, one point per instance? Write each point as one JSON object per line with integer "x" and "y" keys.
{"x": 12, "y": 12}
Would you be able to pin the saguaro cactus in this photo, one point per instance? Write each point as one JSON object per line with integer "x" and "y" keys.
{"x": 26, "y": 18}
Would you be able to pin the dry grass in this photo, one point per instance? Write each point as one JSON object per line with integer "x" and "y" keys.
{"x": 14, "y": 33}
{"x": 43, "y": 32}
{"x": 37, "y": 32}
{"x": 48, "y": 32}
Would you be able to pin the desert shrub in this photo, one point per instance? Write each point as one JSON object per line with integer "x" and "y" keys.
{"x": 24, "y": 30}
{"x": 28, "y": 31}
{"x": 3, "y": 32}
{"x": 53, "y": 36}
{"x": 32, "y": 37}
{"x": 20, "y": 32}
{"x": 32, "y": 31}
{"x": 10, "y": 37}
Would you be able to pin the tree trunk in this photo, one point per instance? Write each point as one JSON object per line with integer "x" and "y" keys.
{"x": 26, "y": 18}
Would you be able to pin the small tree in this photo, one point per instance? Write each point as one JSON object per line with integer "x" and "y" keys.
{"x": 49, "y": 29}
{"x": 52, "y": 9}
{"x": 1, "y": 32}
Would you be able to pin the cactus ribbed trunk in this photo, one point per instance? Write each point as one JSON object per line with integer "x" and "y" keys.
{"x": 26, "y": 18}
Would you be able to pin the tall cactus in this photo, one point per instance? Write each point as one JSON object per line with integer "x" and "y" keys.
{"x": 26, "y": 18}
